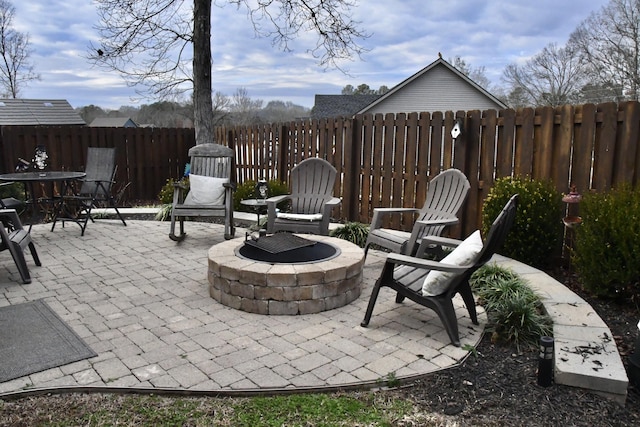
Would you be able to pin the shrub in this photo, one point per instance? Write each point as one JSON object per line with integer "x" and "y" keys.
{"x": 246, "y": 190}
{"x": 514, "y": 311}
{"x": 14, "y": 189}
{"x": 536, "y": 235}
{"x": 354, "y": 232}
{"x": 166, "y": 198}
{"x": 606, "y": 248}
{"x": 166, "y": 192}
{"x": 519, "y": 320}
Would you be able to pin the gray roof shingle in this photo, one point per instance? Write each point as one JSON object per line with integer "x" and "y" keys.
{"x": 330, "y": 106}
{"x": 20, "y": 112}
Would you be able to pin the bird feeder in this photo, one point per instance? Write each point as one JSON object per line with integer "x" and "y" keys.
{"x": 572, "y": 200}
{"x": 571, "y": 220}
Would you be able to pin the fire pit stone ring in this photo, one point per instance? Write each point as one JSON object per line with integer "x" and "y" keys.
{"x": 285, "y": 289}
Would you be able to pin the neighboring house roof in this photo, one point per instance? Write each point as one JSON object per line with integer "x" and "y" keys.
{"x": 113, "y": 122}
{"x": 437, "y": 87}
{"x": 20, "y": 112}
{"x": 327, "y": 106}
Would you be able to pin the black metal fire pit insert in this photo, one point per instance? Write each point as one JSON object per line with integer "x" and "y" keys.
{"x": 279, "y": 242}
{"x": 286, "y": 248}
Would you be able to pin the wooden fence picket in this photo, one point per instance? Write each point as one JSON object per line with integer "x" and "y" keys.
{"x": 382, "y": 160}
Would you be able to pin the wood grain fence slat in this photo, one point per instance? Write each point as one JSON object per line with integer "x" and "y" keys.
{"x": 383, "y": 160}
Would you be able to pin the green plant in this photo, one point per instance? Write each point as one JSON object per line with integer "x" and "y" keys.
{"x": 495, "y": 285}
{"x": 472, "y": 350}
{"x": 606, "y": 248}
{"x": 514, "y": 311}
{"x": 166, "y": 197}
{"x": 166, "y": 192}
{"x": 246, "y": 190}
{"x": 165, "y": 212}
{"x": 14, "y": 189}
{"x": 354, "y": 232}
{"x": 519, "y": 319}
{"x": 536, "y": 235}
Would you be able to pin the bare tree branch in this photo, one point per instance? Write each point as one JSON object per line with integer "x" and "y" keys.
{"x": 553, "y": 77}
{"x": 15, "y": 69}
{"x": 164, "y": 46}
{"x": 609, "y": 41}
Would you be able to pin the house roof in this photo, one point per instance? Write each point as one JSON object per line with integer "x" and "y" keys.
{"x": 439, "y": 63}
{"x": 113, "y": 122}
{"x": 327, "y": 106}
{"x": 17, "y": 112}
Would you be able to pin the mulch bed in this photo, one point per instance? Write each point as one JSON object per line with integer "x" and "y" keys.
{"x": 499, "y": 386}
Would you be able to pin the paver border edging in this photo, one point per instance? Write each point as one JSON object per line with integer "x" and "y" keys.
{"x": 585, "y": 353}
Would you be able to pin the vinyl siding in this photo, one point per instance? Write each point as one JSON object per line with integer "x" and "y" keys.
{"x": 439, "y": 89}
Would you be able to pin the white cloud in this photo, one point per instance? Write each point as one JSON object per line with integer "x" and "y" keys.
{"x": 406, "y": 35}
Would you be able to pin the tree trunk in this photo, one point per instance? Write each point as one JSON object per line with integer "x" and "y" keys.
{"x": 202, "y": 102}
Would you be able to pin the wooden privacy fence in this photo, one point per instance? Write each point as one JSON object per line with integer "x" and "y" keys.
{"x": 382, "y": 160}
{"x": 146, "y": 157}
{"x": 387, "y": 160}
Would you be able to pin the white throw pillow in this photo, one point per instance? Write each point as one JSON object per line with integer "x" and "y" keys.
{"x": 437, "y": 282}
{"x": 206, "y": 190}
{"x": 300, "y": 217}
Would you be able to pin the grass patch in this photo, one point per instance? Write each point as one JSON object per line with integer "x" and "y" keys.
{"x": 339, "y": 409}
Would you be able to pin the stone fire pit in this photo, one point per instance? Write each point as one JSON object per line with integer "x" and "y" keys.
{"x": 285, "y": 288}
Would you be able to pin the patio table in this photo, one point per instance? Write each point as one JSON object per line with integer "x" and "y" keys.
{"x": 53, "y": 202}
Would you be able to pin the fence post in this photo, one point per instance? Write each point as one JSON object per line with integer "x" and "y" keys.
{"x": 283, "y": 148}
{"x": 352, "y": 168}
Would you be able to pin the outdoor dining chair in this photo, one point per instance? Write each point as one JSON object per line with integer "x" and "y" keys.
{"x": 15, "y": 239}
{"x": 433, "y": 284}
{"x": 95, "y": 189}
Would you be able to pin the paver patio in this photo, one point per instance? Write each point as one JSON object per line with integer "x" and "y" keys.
{"x": 142, "y": 303}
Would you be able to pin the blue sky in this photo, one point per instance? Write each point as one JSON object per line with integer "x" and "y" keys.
{"x": 406, "y": 36}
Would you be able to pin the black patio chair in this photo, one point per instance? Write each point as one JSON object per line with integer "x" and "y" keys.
{"x": 433, "y": 284}
{"x": 95, "y": 190}
{"x": 15, "y": 239}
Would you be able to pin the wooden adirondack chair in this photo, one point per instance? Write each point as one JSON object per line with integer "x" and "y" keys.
{"x": 211, "y": 189}
{"x": 434, "y": 284}
{"x": 445, "y": 195}
{"x": 311, "y": 200}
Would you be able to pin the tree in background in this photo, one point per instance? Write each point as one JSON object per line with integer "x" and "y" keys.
{"x": 477, "y": 75}
{"x": 364, "y": 89}
{"x": 553, "y": 77}
{"x": 15, "y": 68}
{"x": 244, "y": 109}
{"x": 280, "y": 112}
{"x": 609, "y": 43}
{"x": 165, "y": 47}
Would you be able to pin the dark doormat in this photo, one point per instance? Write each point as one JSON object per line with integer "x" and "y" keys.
{"x": 34, "y": 338}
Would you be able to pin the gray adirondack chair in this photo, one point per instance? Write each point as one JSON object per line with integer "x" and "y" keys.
{"x": 311, "y": 200}
{"x": 211, "y": 189}
{"x": 406, "y": 274}
{"x": 445, "y": 195}
{"x": 15, "y": 239}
